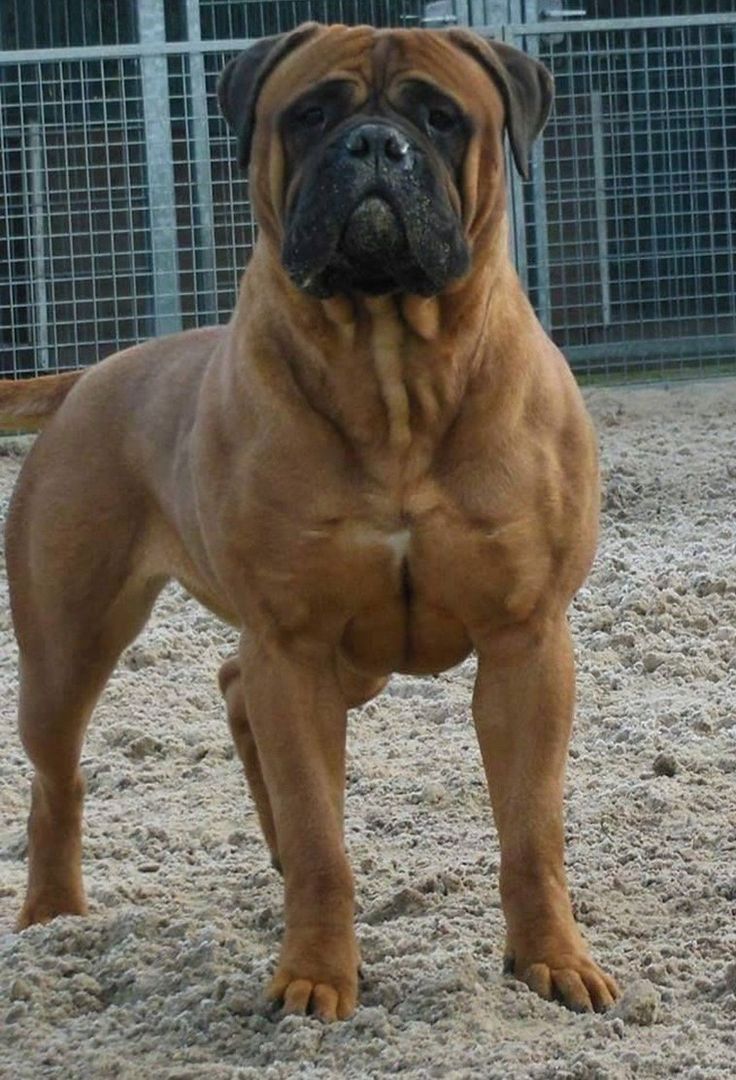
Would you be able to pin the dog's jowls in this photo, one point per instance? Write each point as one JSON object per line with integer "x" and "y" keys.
{"x": 379, "y": 465}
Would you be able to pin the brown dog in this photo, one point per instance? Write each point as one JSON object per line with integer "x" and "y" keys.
{"x": 381, "y": 464}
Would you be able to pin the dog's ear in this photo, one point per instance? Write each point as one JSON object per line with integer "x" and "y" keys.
{"x": 242, "y": 80}
{"x": 527, "y": 89}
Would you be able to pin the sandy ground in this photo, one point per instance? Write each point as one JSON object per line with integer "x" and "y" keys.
{"x": 164, "y": 979}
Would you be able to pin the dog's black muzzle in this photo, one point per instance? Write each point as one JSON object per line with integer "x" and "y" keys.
{"x": 371, "y": 216}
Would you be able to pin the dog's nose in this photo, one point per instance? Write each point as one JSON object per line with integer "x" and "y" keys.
{"x": 377, "y": 141}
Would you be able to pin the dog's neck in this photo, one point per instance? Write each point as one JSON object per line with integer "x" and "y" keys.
{"x": 389, "y": 372}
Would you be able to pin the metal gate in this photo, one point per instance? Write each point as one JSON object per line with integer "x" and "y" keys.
{"x": 122, "y": 216}
{"x": 625, "y": 236}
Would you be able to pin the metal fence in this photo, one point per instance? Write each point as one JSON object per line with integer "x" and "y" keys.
{"x": 122, "y": 214}
{"x": 626, "y": 234}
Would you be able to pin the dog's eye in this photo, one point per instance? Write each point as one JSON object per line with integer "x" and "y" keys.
{"x": 441, "y": 119}
{"x": 312, "y": 117}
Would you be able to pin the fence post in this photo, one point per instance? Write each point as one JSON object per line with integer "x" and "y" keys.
{"x": 516, "y": 210}
{"x": 601, "y": 214}
{"x": 538, "y": 191}
{"x": 160, "y": 168}
{"x": 38, "y": 222}
{"x": 204, "y": 233}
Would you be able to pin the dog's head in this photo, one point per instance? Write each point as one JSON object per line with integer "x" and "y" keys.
{"x": 376, "y": 156}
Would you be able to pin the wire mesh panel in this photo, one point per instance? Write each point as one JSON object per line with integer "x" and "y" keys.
{"x": 35, "y": 24}
{"x": 628, "y": 226}
{"x": 85, "y": 265}
{"x": 215, "y": 229}
{"x": 123, "y": 215}
{"x": 222, "y": 19}
{"x": 74, "y": 236}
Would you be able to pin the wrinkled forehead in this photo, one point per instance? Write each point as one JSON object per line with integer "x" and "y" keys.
{"x": 376, "y": 59}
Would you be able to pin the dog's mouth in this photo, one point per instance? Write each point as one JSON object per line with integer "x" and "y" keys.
{"x": 373, "y": 233}
{"x": 385, "y": 240}
{"x": 373, "y": 246}
{"x": 371, "y": 254}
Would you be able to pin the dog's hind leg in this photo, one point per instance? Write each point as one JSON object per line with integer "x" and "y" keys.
{"x": 232, "y": 691}
{"x": 357, "y": 689}
{"x": 66, "y": 657}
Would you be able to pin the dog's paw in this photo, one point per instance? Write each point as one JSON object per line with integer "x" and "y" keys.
{"x": 42, "y": 909}
{"x": 335, "y": 1000}
{"x": 317, "y": 977}
{"x": 571, "y": 978}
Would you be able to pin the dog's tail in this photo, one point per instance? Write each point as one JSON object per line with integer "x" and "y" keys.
{"x": 26, "y": 404}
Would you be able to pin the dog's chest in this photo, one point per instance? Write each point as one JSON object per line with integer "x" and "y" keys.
{"x": 402, "y": 560}
{"x": 399, "y": 593}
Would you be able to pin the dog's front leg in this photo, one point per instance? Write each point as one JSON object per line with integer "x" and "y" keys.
{"x": 297, "y": 714}
{"x": 522, "y": 707}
